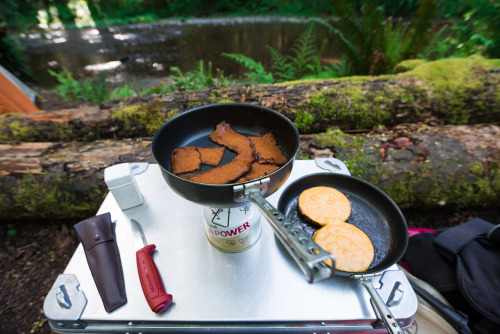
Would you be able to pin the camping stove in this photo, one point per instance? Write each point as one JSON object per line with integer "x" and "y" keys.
{"x": 252, "y": 286}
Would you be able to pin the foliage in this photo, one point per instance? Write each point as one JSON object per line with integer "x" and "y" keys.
{"x": 302, "y": 62}
{"x": 374, "y": 44}
{"x": 19, "y": 13}
{"x": 487, "y": 15}
{"x": 122, "y": 92}
{"x": 193, "y": 80}
{"x": 475, "y": 32}
{"x": 12, "y": 57}
{"x": 97, "y": 91}
{"x": 198, "y": 78}
{"x": 257, "y": 72}
{"x": 70, "y": 88}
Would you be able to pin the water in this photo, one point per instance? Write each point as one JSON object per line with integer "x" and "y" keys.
{"x": 143, "y": 53}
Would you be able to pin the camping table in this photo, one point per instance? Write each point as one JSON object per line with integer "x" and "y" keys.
{"x": 259, "y": 290}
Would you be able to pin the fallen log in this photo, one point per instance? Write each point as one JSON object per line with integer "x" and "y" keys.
{"x": 455, "y": 166}
{"x": 455, "y": 91}
{"x": 418, "y": 167}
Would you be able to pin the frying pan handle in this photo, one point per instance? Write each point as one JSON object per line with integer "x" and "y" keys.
{"x": 305, "y": 252}
{"x": 383, "y": 311}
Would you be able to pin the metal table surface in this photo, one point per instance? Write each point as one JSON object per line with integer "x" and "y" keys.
{"x": 258, "y": 290}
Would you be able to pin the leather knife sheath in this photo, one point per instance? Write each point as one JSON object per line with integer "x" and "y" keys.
{"x": 101, "y": 250}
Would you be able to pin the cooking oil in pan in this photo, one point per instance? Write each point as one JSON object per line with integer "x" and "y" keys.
{"x": 232, "y": 229}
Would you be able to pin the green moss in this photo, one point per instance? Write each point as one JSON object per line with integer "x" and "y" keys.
{"x": 219, "y": 96}
{"x": 400, "y": 193}
{"x": 356, "y": 106}
{"x": 407, "y": 65}
{"x": 195, "y": 104}
{"x": 18, "y": 130}
{"x": 63, "y": 131}
{"x": 36, "y": 197}
{"x": 455, "y": 89}
{"x": 458, "y": 191}
{"x": 303, "y": 121}
{"x": 414, "y": 185}
{"x": 477, "y": 168}
{"x": 348, "y": 149}
{"x": 150, "y": 116}
{"x": 453, "y": 82}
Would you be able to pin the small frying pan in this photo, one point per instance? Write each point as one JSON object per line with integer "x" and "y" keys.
{"x": 372, "y": 211}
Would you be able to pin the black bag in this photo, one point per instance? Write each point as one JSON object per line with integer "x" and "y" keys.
{"x": 463, "y": 264}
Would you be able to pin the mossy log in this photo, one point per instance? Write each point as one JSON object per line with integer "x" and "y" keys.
{"x": 454, "y": 166}
{"x": 455, "y": 91}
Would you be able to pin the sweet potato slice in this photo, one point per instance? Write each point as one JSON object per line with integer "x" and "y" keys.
{"x": 351, "y": 247}
{"x": 324, "y": 205}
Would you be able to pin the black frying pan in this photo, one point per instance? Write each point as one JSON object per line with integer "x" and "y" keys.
{"x": 372, "y": 211}
{"x": 193, "y": 127}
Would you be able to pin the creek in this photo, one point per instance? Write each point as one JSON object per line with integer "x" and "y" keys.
{"x": 142, "y": 54}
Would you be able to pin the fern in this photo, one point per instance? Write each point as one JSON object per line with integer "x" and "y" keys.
{"x": 374, "y": 45}
{"x": 281, "y": 65}
{"x": 70, "y": 88}
{"x": 302, "y": 62}
{"x": 305, "y": 51}
{"x": 258, "y": 73}
{"x": 121, "y": 92}
{"x": 315, "y": 68}
{"x": 192, "y": 80}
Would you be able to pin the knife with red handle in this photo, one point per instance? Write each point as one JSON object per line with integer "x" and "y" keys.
{"x": 149, "y": 276}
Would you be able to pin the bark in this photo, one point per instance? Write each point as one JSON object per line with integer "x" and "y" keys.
{"x": 418, "y": 167}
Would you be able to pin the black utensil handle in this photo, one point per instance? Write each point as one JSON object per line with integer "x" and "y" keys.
{"x": 453, "y": 317}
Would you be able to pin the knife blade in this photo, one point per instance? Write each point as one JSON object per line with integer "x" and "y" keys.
{"x": 152, "y": 286}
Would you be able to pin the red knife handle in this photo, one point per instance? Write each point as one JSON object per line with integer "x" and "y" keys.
{"x": 151, "y": 283}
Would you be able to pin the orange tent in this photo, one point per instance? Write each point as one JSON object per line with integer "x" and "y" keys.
{"x": 14, "y": 95}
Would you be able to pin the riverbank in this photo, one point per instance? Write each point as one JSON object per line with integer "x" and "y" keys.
{"x": 137, "y": 53}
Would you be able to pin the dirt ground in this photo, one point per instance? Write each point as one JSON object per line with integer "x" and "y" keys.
{"x": 32, "y": 255}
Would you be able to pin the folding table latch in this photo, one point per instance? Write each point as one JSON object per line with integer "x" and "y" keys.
{"x": 65, "y": 303}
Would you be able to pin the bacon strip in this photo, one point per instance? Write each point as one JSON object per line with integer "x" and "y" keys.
{"x": 267, "y": 150}
{"x": 211, "y": 156}
{"x": 225, "y": 135}
{"x": 185, "y": 160}
{"x": 257, "y": 170}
